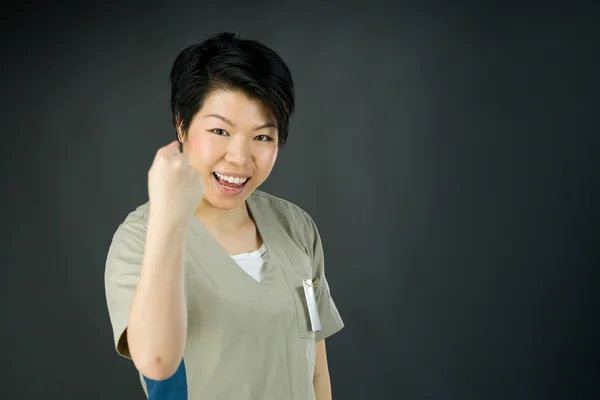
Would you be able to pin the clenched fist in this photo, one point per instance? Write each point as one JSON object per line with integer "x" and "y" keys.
{"x": 174, "y": 187}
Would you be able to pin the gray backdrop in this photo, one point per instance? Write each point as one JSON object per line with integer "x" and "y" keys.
{"x": 447, "y": 154}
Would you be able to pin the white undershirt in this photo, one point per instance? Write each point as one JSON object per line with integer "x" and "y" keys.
{"x": 253, "y": 263}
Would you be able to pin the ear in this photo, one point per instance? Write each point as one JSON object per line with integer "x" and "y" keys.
{"x": 180, "y": 132}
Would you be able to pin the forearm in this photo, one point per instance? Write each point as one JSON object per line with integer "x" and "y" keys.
{"x": 157, "y": 325}
{"x": 322, "y": 386}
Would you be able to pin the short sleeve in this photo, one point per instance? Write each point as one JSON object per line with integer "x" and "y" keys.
{"x": 122, "y": 274}
{"x": 331, "y": 321}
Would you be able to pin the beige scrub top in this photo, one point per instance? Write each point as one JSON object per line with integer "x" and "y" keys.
{"x": 246, "y": 340}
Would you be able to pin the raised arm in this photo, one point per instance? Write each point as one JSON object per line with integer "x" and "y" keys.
{"x": 156, "y": 331}
{"x": 157, "y": 323}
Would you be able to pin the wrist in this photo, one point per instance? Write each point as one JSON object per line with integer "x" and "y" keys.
{"x": 167, "y": 222}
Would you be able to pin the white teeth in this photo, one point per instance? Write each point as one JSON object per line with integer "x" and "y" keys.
{"x": 231, "y": 179}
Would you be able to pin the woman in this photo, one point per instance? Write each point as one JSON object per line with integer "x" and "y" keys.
{"x": 217, "y": 290}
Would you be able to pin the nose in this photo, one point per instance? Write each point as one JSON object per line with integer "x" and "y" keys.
{"x": 238, "y": 151}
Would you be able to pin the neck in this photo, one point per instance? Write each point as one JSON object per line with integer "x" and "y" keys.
{"x": 222, "y": 220}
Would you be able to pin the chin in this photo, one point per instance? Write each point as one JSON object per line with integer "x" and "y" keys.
{"x": 224, "y": 204}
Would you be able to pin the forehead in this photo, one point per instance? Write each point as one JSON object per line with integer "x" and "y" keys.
{"x": 236, "y": 106}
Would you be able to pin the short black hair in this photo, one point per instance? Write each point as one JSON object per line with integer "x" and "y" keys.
{"x": 226, "y": 60}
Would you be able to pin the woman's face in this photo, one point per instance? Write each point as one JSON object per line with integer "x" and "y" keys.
{"x": 232, "y": 143}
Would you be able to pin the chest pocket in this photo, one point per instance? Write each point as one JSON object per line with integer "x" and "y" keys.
{"x": 295, "y": 273}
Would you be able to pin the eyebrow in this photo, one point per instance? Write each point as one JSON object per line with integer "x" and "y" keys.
{"x": 230, "y": 123}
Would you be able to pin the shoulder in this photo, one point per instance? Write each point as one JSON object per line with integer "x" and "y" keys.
{"x": 126, "y": 248}
{"x": 133, "y": 227}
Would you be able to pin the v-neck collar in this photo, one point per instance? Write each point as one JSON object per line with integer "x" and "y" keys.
{"x": 270, "y": 242}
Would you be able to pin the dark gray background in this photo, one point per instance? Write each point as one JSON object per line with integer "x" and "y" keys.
{"x": 447, "y": 154}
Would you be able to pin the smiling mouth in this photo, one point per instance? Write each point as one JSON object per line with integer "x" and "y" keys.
{"x": 230, "y": 184}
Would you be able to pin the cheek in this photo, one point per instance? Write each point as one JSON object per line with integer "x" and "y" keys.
{"x": 204, "y": 146}
{"x": 202, "y": 152}
{"x": 266, "y": 159}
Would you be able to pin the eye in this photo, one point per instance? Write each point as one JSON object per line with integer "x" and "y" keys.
{"x": 263, "y": 138}
{"x": 220, "y": 132}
